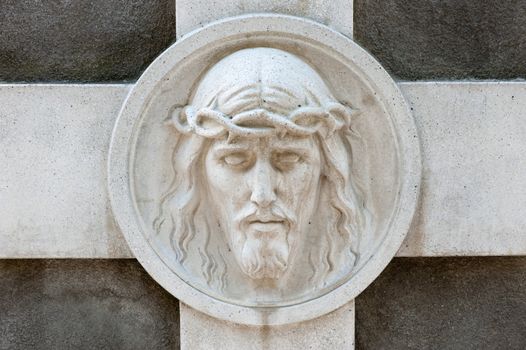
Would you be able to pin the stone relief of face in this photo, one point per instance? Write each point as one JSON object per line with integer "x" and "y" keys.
{"x": 266, "y": 189}
{"x": 263, "y": 193}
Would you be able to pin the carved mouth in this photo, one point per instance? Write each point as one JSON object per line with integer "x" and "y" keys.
{"x": 267, "y": 224}
{"x": 265, "y": 221}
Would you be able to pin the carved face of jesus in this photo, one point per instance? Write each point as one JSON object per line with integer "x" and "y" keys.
{"x": 265, "y": 191}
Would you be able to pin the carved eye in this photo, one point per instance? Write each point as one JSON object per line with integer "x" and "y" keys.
{"x": 286, "y": 160}
{"x": 236, "y": 160}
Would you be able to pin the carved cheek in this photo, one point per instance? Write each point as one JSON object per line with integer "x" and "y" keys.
{"x": 310, "y": 175}
{"x": 226, "y": 189}
{"x": 218, "y": 179}
{"x": 297, "y": 184}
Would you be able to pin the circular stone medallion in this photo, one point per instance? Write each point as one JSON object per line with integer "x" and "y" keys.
{"x": 264, "y": 169}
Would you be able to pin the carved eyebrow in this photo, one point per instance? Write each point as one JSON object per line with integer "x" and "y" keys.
{"x": 232, "y": 148}
{"x": 300, "y": 150}
{"x": 229, "y": 149}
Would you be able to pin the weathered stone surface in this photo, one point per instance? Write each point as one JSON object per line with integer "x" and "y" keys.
{"x": 84, "y": 304}
{"x": 255, "y": 211}
{"x": 333, "y": 331}
{"x": 451, "y": 39}
{"x": 79, "y": 40}
{"x": 416, "y": 303}
{"x": 54, "y": 140}
{"x": 53, "y": 145}
{"x": 445, "y": 303}
{"x": 474, "y": 170}
{"x": 192, "y": 14}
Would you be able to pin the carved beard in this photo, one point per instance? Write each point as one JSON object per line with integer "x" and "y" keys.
{"x": 265, "y": 254}
{"x": 262, "y": 248}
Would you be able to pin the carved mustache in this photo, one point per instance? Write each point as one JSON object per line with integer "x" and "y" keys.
{"x": 274, "y": 214}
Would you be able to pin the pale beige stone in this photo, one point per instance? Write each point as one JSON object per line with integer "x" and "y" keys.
{"x": 233, "y": 181}
{"x": 265, "y": 184}
{"x": 194, "y": 14}
{"x": 443, "y": 113}
{"x": 334, "y": 331}
{"x": 473, "y": 198}
{"x": 53, "y": 152}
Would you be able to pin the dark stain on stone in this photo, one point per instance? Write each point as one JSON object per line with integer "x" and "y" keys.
{"x": 445, "y": 303}
{"x": 84, "y": 304}
{"x": 82, "y": 41}
{"x": 447, "y": 39}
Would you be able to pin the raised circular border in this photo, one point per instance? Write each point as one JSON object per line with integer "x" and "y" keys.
{"x": 120, "y": 151}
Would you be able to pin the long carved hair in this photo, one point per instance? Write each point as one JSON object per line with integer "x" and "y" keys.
{"x": 259, "y": 109}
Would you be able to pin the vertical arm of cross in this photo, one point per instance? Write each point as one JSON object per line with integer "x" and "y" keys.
{"x": 331, "y": 331}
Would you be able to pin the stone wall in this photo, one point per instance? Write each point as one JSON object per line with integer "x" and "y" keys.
{"x": 451, "y": 39}
{"x": 100, "y": 41}
{"x": 445, "y": 303}
{"x": 84, "y": 304}
{"x": 82, "y": 41}
{"x": 417, "y": 303}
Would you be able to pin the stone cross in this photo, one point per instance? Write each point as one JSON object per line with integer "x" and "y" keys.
{"x": 68, "y": 179}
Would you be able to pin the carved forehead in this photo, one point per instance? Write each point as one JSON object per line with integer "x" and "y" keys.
{"x": 258, "y": 92}
{"x": 267, "y": 76}
{"x": 300, "y": 144}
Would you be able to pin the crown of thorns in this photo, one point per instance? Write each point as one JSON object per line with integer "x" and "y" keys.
{"x": 260, "y": 122}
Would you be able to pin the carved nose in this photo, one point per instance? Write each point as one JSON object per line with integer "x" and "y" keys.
{"x": 263, "y": 187}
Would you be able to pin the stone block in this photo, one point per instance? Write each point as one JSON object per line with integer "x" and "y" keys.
{"x": 445, "y": 303}
{"x": 192, "y": 14}
{"x": 473, "y": 189}
{"x": 84, "y": 304}
{"x": 82, "y": 41}
{"x": 54, "y": 141}
{"x": 328, "y": 332}
{"x": 448, "y": 39}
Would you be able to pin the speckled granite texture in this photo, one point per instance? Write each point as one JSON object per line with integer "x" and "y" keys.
{"x": 84, "y": 304}
{"x": 416, "y": 303}
{"x": 446, "y": 39}
{"x": 82, "y": 41}
{"x": 445, "y": 303}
